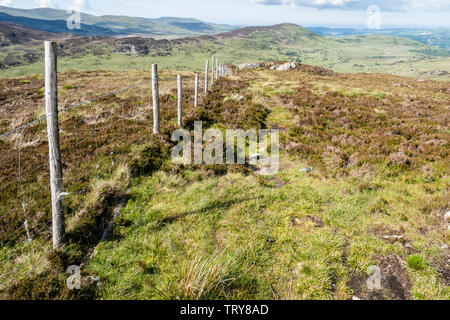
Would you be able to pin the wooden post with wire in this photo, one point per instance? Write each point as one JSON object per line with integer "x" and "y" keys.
{"x": 213, "y": 70}
{"x": 56, "y": 171}
{"x": 155, "y": 93}
{"x": 206, "y": 76}
{"x": 217, "y": 68}
{"x": 196, "y": 91}
{"x": 180, "y": 100}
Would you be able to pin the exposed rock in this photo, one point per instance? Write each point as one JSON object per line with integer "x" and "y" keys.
{"x": 287, "y": 66}
{"x": 435, "y": 73}
{"x": 249, "y": 66}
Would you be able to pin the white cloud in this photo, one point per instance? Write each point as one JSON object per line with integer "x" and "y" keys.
{"x": 43, "y": 3}
{"x": 385, "y": 5}
{"x": 5, "y": 3}
{"x": 80, "y": 5}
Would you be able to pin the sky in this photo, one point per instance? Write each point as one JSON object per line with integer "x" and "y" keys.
{"x": 328, "y": 13}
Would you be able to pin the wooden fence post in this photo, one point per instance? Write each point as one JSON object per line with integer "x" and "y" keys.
{"x": 206, "y": 76}
{"x": 155, "y": 93}
{"x": 180, "y": 101}
{"x": 196, "y": 91}
{"x": 212, "y": 70}
{"x": 217, "y": 68}
{"x": 56, "y": 172}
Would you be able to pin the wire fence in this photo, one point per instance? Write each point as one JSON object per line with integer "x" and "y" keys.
{"x": 96, "y": 135}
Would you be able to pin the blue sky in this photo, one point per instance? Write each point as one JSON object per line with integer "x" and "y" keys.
{"x": 412, "y": 13}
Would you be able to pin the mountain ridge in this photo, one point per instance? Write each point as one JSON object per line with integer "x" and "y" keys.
{"x": 115, "y": 24}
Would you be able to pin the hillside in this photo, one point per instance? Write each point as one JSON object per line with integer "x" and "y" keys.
{"x": 56, "y": 26}
{"x": 370, "y": 53}
{"x": 363, "y": 181}
{"x": 47, "y": 18}
{"x": 12, "y": 34}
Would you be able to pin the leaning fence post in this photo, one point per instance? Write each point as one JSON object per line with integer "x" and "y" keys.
{"x": 155, "y": 93}
{"x": 206, "y": 76}
{"x": 180, "y": 101}
{"x": 196, "y": 91}
{"x": 56, "y": 172}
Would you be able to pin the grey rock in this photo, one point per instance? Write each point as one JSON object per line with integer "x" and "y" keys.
{"x": 248, "y": 66}
{"x": 287, "y": 66}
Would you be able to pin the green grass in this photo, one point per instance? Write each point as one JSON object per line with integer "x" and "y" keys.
{"x": 416, "y": 262}
{"x": 271, "y": 246}
{"x": 294, "y": 235}
{"x": 215, "y": 233}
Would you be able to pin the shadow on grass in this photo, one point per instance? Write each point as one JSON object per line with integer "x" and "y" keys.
{"x": 209, "y": 207}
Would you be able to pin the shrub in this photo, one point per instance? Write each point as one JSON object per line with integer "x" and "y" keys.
{"x": 148, "y": 158}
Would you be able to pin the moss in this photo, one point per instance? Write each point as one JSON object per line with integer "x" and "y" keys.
{"x": 417, "y": 262}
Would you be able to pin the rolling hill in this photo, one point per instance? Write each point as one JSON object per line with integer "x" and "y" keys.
{"x": 367, "y": 53}
{"x": 56, "y": 26}
{"x": 11, "y": 34}
{"x": 439, "y": 37}
{"x": 109, "y": 25}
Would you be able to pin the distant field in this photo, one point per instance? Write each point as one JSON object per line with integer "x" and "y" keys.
{"x": 438, "y": 37}
{"x": 370, "y": 53}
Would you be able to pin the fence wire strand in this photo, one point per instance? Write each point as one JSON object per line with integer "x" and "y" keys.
{"x": 103, "y": 127}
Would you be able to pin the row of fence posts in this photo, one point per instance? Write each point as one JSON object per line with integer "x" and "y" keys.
{"x": 51, "y": 108}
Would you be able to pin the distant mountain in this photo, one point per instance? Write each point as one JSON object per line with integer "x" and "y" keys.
{"x": 55, "y": 26}
{"x": 111, "y": 25}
